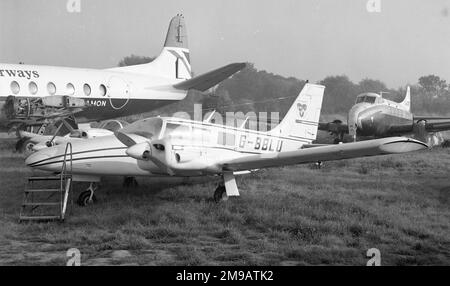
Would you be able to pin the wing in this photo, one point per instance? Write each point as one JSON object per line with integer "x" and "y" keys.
{"x": 33, "y": 137}
{"x": 437, "y": 126}
{"x": 434, "y": 123}
{"x": 384, "y": 146}
{"x": 210, "y": 79}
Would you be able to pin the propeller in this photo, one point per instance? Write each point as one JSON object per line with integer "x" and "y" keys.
{"x": 139, "y": 147}
{"x": 141, "y": 151}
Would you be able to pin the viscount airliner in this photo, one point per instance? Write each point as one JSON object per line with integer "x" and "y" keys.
{"x": 33, "y": 95}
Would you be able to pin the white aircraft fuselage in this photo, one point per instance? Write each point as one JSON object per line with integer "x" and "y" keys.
{"x": 105, "y": 94}
{"x": 192, "y": 148}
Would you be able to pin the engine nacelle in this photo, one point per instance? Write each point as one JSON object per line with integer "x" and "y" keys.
{"x": 26, "y": 108}
{"x": 63, "y": 101}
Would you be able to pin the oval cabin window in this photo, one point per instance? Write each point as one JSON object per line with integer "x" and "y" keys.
{"x": 15, "y": 87}
{"x": 32, "y": 87}
{"x": 51, "y": 88}
{"x": 87, "y": 89}
{"x": 102, "y": 90}
{"x": 70, "y": 89}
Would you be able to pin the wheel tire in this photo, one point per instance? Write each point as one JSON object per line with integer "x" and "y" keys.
{"x": 220, "y": 194}
{"x": 83, "y": 199}
{"x": 28, "y": 148}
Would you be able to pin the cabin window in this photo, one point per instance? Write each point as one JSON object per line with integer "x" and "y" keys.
{"x": 148, "y": 128}
{"x": 70, "y": 89}
{"x": 51, "y": 88}
{"x": 32, "y": 87}
{"x": 177, "y": 129}
{"x": 370, "y": 99}
{"x": 102, "y": 90}
{"x": 15, "y": 87}
{"x": 87, "y": 89}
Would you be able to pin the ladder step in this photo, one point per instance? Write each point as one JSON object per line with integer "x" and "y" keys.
{"x": 50, "y": 217}
{"x": 41, "y": 204}
{"x": 44, "y": 178}
{"x": 43, "y": 190}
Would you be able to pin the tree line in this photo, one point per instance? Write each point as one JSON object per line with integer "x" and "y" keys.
{"x": 261, "y": 91}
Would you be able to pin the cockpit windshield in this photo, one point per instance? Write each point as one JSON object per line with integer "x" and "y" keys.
{"x": 149, "y": 128}
{"x": 366, "y": 98}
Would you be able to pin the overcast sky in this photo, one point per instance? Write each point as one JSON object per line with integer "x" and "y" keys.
{"x": 308, "y": 39}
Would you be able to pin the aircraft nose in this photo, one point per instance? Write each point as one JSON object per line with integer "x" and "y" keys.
{"x": 36, "y": 158}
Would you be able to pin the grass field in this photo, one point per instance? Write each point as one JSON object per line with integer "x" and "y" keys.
{"x": 285, "y": 216}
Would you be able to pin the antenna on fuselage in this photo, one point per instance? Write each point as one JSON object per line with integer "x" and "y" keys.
{"x": 207, "y": 120}
{"x": 243, "y": 123}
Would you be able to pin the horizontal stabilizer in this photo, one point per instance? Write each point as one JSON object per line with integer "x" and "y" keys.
{"x": 210, "y": 79}
{"x": 391, "y": 145}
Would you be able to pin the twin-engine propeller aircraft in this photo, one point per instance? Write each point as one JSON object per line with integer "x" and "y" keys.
{"x": 34, "y": 96}
{"x": 374, "y": 116}
{"x": 167, "y": 146}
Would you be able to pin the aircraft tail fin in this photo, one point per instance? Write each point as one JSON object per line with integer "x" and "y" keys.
{"x": 174, "y": 61}
{"x": 406, "y": 103}
{"x": 302, "y": 119}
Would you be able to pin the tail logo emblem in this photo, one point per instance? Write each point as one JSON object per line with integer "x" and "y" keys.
{"x": 302, "y": 109}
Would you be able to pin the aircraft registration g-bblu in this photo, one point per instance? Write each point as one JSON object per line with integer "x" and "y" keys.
{"x": 34, "y": 95}
{"x": 165, "y": 146}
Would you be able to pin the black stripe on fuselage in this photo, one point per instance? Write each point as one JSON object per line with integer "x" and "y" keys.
{"x": 101, "y": 108}
{"x": 80, "y": 152}
{"x": 77, "y": 159}
{"x": 45, "y": 161}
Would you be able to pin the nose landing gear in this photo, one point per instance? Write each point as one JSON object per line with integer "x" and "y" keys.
{"x": 88, "y": 197}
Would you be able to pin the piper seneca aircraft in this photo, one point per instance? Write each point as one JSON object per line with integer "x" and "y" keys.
{"x": 374, "y": 116}
{"x": 32, "y": 97}
{"x": 165, "y": 146}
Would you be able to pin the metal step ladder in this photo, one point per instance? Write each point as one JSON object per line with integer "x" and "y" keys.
{"x": 47, "y": 203}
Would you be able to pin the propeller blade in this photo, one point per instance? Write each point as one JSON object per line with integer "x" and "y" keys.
{"x": 130, "y": 139}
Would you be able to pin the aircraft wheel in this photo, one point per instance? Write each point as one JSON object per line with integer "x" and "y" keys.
{"x": 220, "y": 194}
{"x": 86, "y": 198}
{"x": 130, "y": 182}
{"x": 28, "y": 148}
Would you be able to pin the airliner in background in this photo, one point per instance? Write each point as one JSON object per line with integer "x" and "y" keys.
{"x": 374, "y": 116}
{"x": 31, "y": 97}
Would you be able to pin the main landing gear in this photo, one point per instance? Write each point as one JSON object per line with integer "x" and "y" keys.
{"x": 130, "y": 182}
{"x": 88, "y": 197}
{"x": 226, "y": 188}
{"x": 220, "y": 194}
